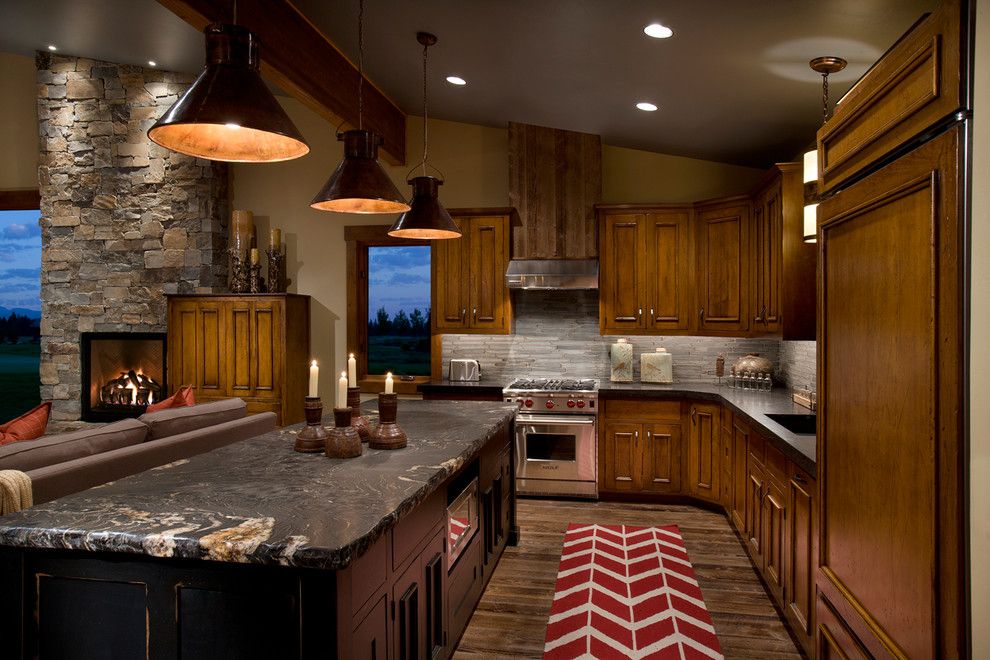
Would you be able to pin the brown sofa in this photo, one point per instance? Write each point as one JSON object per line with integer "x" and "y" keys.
{"x": 71, "y": 462}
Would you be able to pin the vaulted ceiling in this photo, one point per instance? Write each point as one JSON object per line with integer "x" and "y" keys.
{"x": 732, "y": 84}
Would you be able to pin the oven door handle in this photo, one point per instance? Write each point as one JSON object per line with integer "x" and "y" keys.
{"x": 548, "y": 419}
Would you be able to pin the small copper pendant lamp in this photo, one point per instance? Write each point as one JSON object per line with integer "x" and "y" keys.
{"x": 427, "y": 218}
{"x": 360, "y": 184}
{"x": 228, "y": 113}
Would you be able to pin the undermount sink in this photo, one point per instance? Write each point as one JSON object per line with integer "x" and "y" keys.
{"x": 795, "y": 423}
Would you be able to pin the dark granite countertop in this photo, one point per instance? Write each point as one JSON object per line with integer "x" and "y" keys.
{"x": 480, "y": 387}
{"x": 258, "y": 501}
{"x": 752, "y": 406}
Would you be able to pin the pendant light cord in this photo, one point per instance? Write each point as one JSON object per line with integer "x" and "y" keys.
{"x": 426, "y": 122}
{"x": 360, "y": 65}
{"x": 824, "y": 98}
{"x": 235, "y": 12}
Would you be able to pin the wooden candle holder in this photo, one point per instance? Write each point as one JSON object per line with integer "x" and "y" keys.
{"x": 387, "y": 435}
{"x": 343, "y": 440}
{"x": 357, "y": 421}
{"x": 313, "y": 437}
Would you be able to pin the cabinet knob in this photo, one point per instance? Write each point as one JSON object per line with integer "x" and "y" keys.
{"x": 636, "y": 435}
{"x": 649, "y": 435}
{"x": 651, "y": 311}
{"x": 474, "y": 313}
{"x": 694, "y": 413}
{"x": 640, "y": 311}
{"x": 463, "y": 313}
{"x": 701, "y": 314}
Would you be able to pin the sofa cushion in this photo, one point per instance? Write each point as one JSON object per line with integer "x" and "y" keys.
{"x": 63, "y": 447}
{"x": 173, "y": 421}
{"x": 28, "y": 426}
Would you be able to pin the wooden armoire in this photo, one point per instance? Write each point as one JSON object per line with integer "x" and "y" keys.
{"x": 251, "y": 346}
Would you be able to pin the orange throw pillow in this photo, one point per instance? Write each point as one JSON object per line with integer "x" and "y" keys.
{"x": 184, "y": 397}
{"x": 28, "y": 426}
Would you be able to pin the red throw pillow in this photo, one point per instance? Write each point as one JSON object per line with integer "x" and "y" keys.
{"x": 184, "y": 397}
{"x": 28, "y": 426}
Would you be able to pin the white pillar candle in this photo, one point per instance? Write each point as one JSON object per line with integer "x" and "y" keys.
{"x": 388, "y": 383}
{"x": 342, "y": 390}
{"x": 314, "y": 380}
{"x": 351, "y": 371}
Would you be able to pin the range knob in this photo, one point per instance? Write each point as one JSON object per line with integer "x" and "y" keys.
{"x": 580, "y": 404}
{"x": 550, "y": 405}
{"x": 570, "y": 403}
{"x": 529, "y": 403}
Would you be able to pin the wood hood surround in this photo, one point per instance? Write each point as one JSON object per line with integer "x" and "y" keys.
{"x": 555, "y": 180}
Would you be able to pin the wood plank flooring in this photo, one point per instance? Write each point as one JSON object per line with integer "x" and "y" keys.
{"x": 511, "y": 618}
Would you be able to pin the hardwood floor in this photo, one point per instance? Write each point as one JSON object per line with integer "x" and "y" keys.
{"x": 511, "y": 618}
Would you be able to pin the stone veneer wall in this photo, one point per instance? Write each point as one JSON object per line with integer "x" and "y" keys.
{"x": 557, "y": 334}
{"x": 123, "y": 220}
{"x": 799, "y": 363}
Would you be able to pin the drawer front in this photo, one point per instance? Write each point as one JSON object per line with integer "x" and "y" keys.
{"x": 644, "y": 409}
{"x": 412, "y": 530}
{"x": 776, "y": 464}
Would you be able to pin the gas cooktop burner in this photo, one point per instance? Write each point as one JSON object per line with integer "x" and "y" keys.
{"x": 553, "y": 385}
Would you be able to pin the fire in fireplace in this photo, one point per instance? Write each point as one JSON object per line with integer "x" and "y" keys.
{"x": 122, "y": 372}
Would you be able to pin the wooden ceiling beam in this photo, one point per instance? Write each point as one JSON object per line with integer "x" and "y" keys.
{"x": 297, "y": 57}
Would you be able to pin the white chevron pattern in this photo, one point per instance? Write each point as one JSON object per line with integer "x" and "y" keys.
{"x": 628, "y": 592}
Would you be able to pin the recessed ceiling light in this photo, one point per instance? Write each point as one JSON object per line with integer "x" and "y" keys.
{"x": 152, "y": 63}
{"x": 646, "y": 107}
{"x": 658, "y": 31}
{"x": 456, "y": 80}
{"x": 52, "y": 47}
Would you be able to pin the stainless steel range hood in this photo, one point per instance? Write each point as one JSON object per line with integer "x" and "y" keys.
{"x": 552, "y": 274}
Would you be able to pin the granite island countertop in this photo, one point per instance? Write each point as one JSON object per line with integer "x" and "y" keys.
{"x": 259, "y": 501}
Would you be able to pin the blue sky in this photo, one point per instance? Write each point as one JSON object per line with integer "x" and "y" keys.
{"x": 20, "y": 259}
{"x": 398, "y": 278}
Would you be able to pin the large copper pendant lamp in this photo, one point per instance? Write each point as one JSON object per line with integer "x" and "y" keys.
{"x": 359, "y": 184}
{"x": 229, "y": 114}
{"x": 825, "y": 66}
{"x": 427, "y": 218}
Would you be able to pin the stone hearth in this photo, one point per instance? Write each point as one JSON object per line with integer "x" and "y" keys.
{"x": 124, "y": 221}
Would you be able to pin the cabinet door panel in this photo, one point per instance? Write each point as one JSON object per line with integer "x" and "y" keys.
{"x": 662, "y": 458}
{"x": 622, "y": 294}
{"x": 209, "y": 341}
{"x": 239, "y": 347}
{"x": 668, "y": 257}
{"x": 774, "y": 515}
{"x": 450, "y": 286}
{"x": 723, "y": 269}
{"x": 486, "y": 263}
{"x": 800, "y": 562}
{"x": 754, "y": 511}
{"x": 268, "y": 347}
{"x": 621, "y": 457}
{"x": 369, "y": 641}
{"x": 740, "y": 474}
{"x": 703, "y": 451}
{"x": 182, "y": 353}
{"x": 767, "y": 234}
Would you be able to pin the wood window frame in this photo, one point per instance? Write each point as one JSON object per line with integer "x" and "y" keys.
{"x": 358, "y": 239}
{"x": 23, "y": 199}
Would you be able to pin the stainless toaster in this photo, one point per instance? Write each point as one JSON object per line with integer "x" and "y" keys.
{"x": 463, "y": 370}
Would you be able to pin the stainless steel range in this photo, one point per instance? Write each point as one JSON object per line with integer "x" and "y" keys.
{"x": 556, "y": 436}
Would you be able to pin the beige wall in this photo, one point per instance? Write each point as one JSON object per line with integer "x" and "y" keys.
{"x": 18, "y": 123}
{"x": 474, "y": 160}
{"x": 979, "y": 397}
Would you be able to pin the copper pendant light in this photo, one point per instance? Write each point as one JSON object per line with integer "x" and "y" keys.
{"x": 825, "y": 66}
{"x": 427, "y": 218}
{"x": 228, "y": 113}
{"x": 360, "y": 184}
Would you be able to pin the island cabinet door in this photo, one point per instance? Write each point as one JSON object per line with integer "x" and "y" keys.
{"x": 369, "y": 641}
{"x": 418, "y": 606}
{"x": 622, "y": 276}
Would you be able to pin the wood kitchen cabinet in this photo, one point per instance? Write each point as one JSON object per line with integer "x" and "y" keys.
{"x": 642, "y": 452}
{"x": 419, "y": 604}
{"x": 723, "y": 266}
{"x": 645, "y": 269}
{"x": 468, "y": 275}
{"x": 254, "y": 347}
{"x": 703, "y": 465}
{"x": 801, "y": 560}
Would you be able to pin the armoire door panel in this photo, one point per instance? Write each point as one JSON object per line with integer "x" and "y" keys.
{"x": 209, "y": 343}
{"x": 239, "y": 348}
{"x": 267, "y": 346}
{"x": 182, "y": 354}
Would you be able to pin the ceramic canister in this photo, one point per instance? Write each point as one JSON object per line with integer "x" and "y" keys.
{"x": 622, "y": 365}
{"x": 656, "y": 367}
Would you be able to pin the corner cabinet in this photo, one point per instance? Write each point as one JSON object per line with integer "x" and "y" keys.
{"x": 723, "y": 267}
{"x": 254, "y": 347}
{"x": 468, "y": 275}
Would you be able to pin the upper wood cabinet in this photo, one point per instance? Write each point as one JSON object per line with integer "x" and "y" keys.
{"x": 645, "y": 270}
{"x": 468, "y": 275}
{"x": 555, "y": 180}
{"x": 254, "y": 347}
{"x": 723, "y": 267}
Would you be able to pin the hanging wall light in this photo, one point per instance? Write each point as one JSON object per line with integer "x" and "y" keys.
{"x": 359, "y": 184}
{"x": 229, "y": 113}
{"x": 825, "y": 66}
{"x": 427, "y": 218}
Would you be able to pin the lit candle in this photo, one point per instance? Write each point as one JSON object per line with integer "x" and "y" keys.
{"x": 351, "y": 371}
{"x": 276, "y": 238}
{"x": 342, "y": 390}
{"x": 314, "y": 380}
{"x": 255, "y": 257}
{"x": 388, "y": 383}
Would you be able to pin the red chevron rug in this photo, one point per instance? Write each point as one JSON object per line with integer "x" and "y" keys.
{"x": 628, "y": 592}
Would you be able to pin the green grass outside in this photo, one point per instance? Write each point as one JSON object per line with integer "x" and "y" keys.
{"x": 402, "y": 355}
{"x": 19, "y": 379}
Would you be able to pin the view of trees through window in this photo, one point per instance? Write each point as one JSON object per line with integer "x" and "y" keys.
{"x": 20, "y": 312}
{"x": 399, "y": 310}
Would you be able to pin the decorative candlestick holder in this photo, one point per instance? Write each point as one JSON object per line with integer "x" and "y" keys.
{"x": 238, "y": 271}
{"x": 256, "y": 284}
{"x": 387, "y": 435}
{"x": 276, "y": 270}
{"x": 312, "y": 438}
{"x": 343, "y": 440}
{"x": 357, "y": 421}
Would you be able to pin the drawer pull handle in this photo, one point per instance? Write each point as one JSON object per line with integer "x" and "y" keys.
{"x": 799, "y": 479}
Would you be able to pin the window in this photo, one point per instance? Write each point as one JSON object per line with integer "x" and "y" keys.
{"x": 399, "y": 310}
{"x": 20, "y": 307}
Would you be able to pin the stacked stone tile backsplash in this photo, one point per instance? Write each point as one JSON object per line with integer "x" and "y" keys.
{"x": 123, "y": 220}
{"x": 798, "y": 363}
{"x": 557, "y": 334}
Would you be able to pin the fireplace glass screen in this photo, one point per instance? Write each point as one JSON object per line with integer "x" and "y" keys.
{"x": 122, "y": 374}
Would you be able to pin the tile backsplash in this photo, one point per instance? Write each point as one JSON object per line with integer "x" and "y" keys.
{"x": 556, "y": 334}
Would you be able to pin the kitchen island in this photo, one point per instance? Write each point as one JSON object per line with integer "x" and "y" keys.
{"x": 254, "y": 550}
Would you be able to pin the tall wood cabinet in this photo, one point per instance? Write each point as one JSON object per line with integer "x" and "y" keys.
{"x": 723, "y": 263}
{"x": 254, "y": 347}
{"x": 468, "y": 275}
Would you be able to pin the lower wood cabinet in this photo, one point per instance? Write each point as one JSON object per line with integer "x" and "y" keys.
{"x": 800, "y": 562}
{"x": 641, "y": 453}
{"x": 704, "y": 451}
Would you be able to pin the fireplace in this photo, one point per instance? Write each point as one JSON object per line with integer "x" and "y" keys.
{"x": 122, "y": 372}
